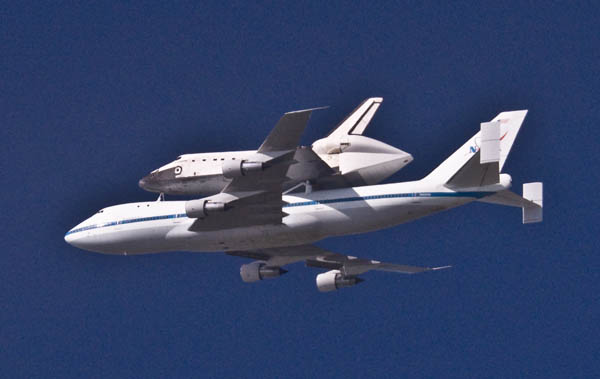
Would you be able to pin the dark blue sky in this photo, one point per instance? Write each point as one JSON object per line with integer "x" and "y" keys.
{"x": 94, "y": 97}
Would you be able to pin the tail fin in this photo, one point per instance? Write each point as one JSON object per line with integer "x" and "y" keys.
{"x": 354, "y": 124}
{"x": 510, "y": 124}
{"x": 467, "y": 167}
{"x": 357, "y": 121}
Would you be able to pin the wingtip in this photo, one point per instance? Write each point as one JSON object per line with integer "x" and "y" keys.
{"x": 440, "y": 268}
{"x": 308, "y": 110}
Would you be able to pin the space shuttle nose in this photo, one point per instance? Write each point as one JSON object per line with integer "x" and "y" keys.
{"x": 152, "y": 182}
{"x": 148, "y": 182}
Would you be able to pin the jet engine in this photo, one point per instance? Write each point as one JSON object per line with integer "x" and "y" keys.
{"x": 234, "y": 169}
{"x": 333, "y": 280}
{"x": 201, "y": 208}
{"x": 255, "y": 271}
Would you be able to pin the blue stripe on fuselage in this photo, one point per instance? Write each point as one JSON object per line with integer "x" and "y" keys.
{"x": 122, "y": 222}
{"x": 476, "y": 195}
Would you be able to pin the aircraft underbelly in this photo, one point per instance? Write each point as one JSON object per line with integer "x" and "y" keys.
{"x": 313, "y": 225}
{"x": 129, "y": 240}
{"x": 358, "y": 218}
{"x": 297, "y": 230}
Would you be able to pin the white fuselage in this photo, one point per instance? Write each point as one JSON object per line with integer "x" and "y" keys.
{"x": 161, "y": 226}
{"x": 361, "y": 161}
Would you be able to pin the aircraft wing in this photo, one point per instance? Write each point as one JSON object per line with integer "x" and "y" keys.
{"x": 287, "y": 132}
{"x": 315, "y": 256}
{"x": 253, "y": 197}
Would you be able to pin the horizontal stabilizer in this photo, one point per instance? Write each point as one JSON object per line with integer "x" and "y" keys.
{"x": 531, "y": 202}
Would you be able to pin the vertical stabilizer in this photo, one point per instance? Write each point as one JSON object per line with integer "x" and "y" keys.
{"x": 510, "y": 124}
{"x": 533, "y": 192}
{"x": 480, "y": 160}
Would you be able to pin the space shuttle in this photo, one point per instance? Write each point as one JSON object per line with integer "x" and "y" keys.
{"x": 344, "y": 158}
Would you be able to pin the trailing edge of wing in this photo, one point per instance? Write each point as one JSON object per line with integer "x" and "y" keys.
{"x": 352, "y": 266}
{"x": 287, "y": 132}
{"x": 406, "y": 269}
{"x": 315, "y": 256}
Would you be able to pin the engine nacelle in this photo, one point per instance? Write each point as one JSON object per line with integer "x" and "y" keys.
{"x": 255, "y": 271}
{"x": 235, "y": 169}
{"x": 334, "y": 280}
{"x": 202, "y": 208}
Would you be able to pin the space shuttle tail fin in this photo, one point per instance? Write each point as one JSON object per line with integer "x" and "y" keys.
{"x": 353, "y": 125}
{"x": 357, "y": 121}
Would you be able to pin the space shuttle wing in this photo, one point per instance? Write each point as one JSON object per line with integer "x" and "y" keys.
{"x": 267, "y": 169}
{"x": 315, "y": 256}
{"x": 287, "y": 132}
{"x": 254, "y": 194}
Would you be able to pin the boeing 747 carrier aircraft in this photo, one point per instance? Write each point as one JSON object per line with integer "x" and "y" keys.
{"x": 253, "y": 217}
